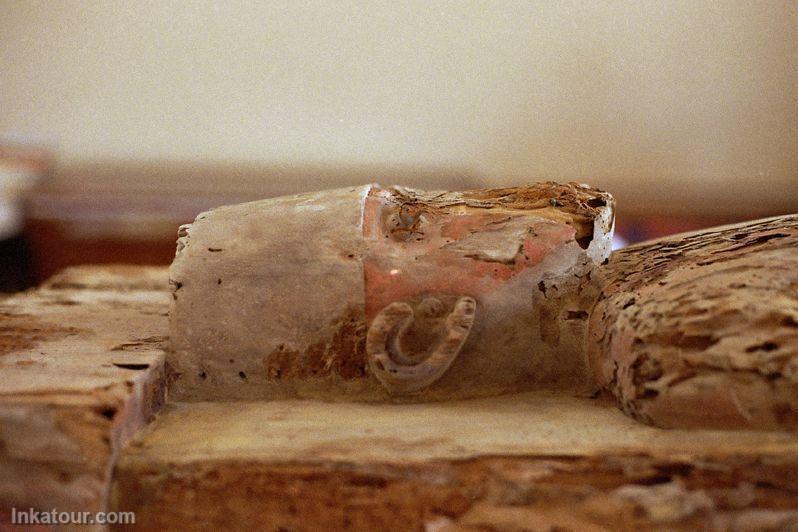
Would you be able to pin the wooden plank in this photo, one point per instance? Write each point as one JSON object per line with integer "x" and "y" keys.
{"x": 528, "y": 461}
{"x": 81, "y": 369}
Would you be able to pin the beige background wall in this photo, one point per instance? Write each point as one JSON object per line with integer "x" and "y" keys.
{"x": 689, "y": 102}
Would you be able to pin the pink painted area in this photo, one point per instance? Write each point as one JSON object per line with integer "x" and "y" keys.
{"x": 400, "y": 270}
{"x": 459, "y": 226}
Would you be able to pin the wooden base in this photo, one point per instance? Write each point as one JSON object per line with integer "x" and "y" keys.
{"x": 519, "y": 462}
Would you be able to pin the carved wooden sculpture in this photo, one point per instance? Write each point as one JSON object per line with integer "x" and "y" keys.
{"x": 378, "y": 293}
{"x": 372, "y": 293}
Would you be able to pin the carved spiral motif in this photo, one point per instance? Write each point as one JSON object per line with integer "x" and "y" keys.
{"x": 409, "y": 350}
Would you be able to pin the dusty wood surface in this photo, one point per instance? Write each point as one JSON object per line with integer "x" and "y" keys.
{"x": 701, "y": 330}
{"x": 81, "y": 369}
{"x": 517, "y": 462}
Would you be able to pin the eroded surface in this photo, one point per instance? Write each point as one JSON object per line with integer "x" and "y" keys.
{"x": 701, "y": 330}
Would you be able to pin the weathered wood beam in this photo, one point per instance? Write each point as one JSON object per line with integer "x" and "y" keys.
{"x": 81, "y": 370}
{"x": 701, "y": 329}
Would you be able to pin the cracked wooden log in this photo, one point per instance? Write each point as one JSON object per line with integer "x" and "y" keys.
{"x": 466, "y": 293}
{"x": 701, "y": 329}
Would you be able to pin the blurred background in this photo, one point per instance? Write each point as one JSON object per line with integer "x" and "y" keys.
{"x": 120, "y": 120}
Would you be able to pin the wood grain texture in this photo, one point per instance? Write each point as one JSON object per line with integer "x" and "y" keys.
{"x": 81, "y": 369}
{"x": 701, "y": 329}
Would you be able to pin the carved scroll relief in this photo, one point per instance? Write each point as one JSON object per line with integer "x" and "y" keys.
{"x": 392, "y": 344}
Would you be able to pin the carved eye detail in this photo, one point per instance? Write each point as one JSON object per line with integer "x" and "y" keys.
{"x": 405, "y": 226}
{"x": 409, "y": 350}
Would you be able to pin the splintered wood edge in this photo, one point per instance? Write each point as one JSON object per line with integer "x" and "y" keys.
{"x": 82, "y": 363}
